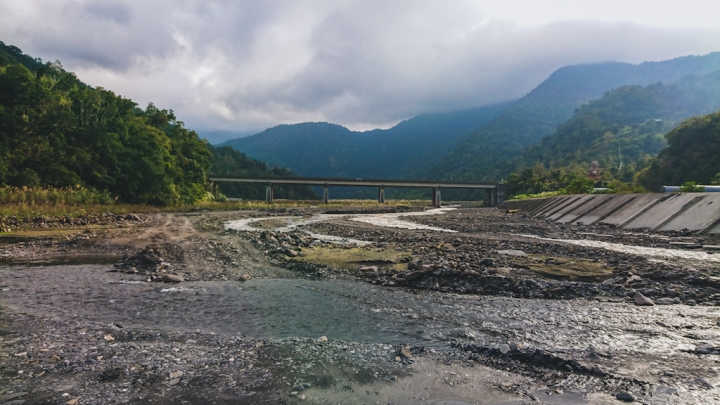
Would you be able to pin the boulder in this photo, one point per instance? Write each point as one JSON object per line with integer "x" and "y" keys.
{"x": 173, "y": 278}
{"x": 642, "y": 300}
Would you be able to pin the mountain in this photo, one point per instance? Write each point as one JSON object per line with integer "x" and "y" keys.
{"x": 484, "y": 154}
{"x": 625, "y": 126}
{"x": 328, "y": 150}
{"x": 691, "y": 155}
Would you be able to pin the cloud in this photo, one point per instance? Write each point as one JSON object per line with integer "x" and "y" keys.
{"x": 244, "y": 65}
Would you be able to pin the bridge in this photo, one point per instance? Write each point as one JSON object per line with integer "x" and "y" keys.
{"x": 495, "y": 193}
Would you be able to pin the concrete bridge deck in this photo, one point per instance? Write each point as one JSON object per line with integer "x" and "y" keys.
{"x": 495, "y": 192}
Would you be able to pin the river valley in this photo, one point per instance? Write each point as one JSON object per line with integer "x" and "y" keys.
{"x": 460, "y": 305}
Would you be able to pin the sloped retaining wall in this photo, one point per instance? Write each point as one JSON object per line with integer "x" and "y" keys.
{"x": 697, "y": 212}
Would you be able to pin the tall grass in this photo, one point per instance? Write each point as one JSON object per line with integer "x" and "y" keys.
{"x": 46, "y": 195}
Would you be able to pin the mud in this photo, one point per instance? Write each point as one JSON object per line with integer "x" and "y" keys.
{"x": 302, "y": 306}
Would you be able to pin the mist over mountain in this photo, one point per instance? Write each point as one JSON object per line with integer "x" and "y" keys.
{"x": 484, "y": 154}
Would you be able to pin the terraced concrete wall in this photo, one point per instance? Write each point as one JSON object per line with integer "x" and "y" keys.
{"x": 697, "y": 212}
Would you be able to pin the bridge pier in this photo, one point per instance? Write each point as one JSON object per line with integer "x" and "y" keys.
{"x": 436, "y": 200}
{"x": 381, "y": 195}
{"x": 326, "y": 195}
{"x": 269, "y": 193}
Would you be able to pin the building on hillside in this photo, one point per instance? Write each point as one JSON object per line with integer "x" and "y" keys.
{"x": 594, "y": 171}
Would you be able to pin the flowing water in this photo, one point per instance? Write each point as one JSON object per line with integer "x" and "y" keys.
{"x": 387, "y": 220}
{"x": 657, "y": 253}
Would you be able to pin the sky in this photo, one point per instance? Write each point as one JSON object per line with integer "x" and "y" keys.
{"x": 243, "y": 66}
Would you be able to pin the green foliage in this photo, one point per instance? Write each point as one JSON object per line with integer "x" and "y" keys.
{"x": 580, "y": 185}
{"x": 691, "y": 155}
{"x": 483, "y": 155}
{"x": 44, "y": 195}
{"x": 691, "y": 187}
{"x": 56, "y": 133}
{"x": 538, "y": 180}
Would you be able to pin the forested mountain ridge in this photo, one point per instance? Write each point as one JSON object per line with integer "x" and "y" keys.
{"x": 484, "y": 154}
{"x": 625, "y": 128}
{"x": 56, "y": 131}
{"x": 330, "y": 150}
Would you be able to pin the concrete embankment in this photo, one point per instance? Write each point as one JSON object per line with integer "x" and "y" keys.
{"x": 697, "y": 212}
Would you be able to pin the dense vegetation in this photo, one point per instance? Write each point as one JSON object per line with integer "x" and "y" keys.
{"x": 692, "y": 155}
{"x": 56, "y": 131}
{"x": 483, "y": 154}
{"x": 623, "y": 131}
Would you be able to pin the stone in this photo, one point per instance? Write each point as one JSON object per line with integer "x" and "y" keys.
{"x": 322, "y": 339}
{"x": 625, "y": 396}
{"x": 512, "y": 252}
{"x": 487, "y": 261}
{"x": 368, "y": 269}
{"x": 245, "y": 277}
{"x": 642, "y": 300}
{"x": 173, "y": 278}
{"x": 664, "y": 301}
{"x": 292, "y": 253}
{"x": 504, "y": 348}
{"x": 405, "y": 352}
{"x": 692, "y": 303}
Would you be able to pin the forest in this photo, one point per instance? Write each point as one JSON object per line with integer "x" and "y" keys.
{"x": 56, "y": 131}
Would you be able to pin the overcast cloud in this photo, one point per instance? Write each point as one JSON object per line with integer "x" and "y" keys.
{"x": 247, "y": 65}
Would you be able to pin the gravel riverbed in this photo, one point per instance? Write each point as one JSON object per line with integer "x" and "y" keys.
{"x": 476, "y": 306}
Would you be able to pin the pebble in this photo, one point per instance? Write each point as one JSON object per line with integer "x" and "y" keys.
{"x": 625, "y": 397}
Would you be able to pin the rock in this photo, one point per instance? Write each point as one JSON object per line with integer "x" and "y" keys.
{"x": 504, "y": 348}
{"x": 642, "y": 300}
{"x": 511, "y": 252}
{"x": 625, "y": 396}
{"x": 405, "y": 352}
{"x": 132, "y": 217}
{"x": 109, "y": 338}
{"x": 368, "y": 269}
{"x": 692, "y": 303}
{"x": 413, "y": 265}
{"x": 176, "y": 374}
{"x": 487, "y": 261}
{"x": 664, "y": 301}
{"x": 292, "y": 253}
{"x": 172, "y": 278}
{"x": 322, "y": 339}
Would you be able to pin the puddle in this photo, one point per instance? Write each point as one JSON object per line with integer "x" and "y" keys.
{"x": 657, "y": 253}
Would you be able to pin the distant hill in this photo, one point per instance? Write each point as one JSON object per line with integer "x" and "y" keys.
{"x": 692, "y": 154}
{"x": 626, "y": 126}
{"x": 484, "y": 154}
{"x": 218, "y": 137}
{"x": 323, "y": 149}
